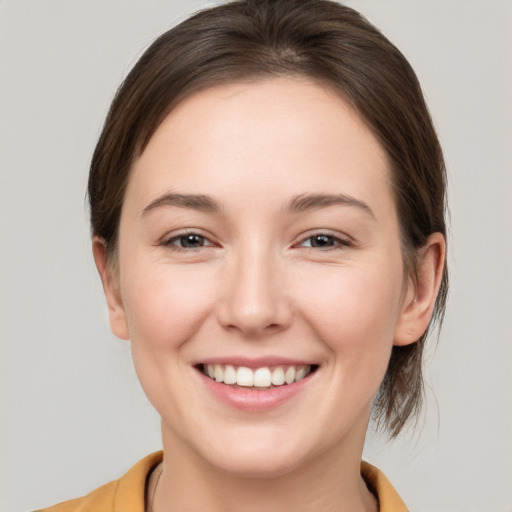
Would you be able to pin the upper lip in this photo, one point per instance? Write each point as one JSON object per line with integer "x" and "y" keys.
{"x": 254, "y": 362}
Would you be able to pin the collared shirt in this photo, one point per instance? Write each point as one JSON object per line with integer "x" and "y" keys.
{"x": 128, "y": 493}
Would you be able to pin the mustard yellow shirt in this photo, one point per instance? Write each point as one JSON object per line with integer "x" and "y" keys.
{"x": 128, "y": 493}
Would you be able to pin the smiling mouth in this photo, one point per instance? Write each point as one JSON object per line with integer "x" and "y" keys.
{"x": 266, "y": 377}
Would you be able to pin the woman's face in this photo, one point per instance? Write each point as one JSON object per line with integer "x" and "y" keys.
{"x": 259, "y": 242}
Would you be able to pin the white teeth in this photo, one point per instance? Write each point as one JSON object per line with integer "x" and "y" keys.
{"x": 289, "y": 376}
{"x": 244, "y": 376}
{"x": 300, "y": 374}
{"x": 218, "y": 373}
{"x": 278, "y": 376}
{"x": 263, "y": 377}
{"x": 229, "y": 375}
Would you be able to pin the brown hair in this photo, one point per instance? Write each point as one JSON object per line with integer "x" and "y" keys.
{"x": 318, "y": 39}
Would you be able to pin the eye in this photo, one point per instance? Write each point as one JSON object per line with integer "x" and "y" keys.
{"x": 188, "y": 241}
{"x": 324, "y": 241}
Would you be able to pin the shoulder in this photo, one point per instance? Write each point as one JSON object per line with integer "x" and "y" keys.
{"x": 389, "y": 500}
{"x": 124, "y": 495}
{"x": 101, "y": 499}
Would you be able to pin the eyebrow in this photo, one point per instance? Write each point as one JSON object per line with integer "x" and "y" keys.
{"x": 193, "y": 201}
{"x": 306, "y": 202}
{"x": 301, "y": 203}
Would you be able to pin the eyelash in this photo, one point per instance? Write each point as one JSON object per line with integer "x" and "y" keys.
{"x": 172, "y": 242}
{"x": 332, "y": 242}
{"x": 335, "y": 242}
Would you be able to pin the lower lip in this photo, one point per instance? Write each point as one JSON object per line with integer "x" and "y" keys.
{"x": 255, "y": 400}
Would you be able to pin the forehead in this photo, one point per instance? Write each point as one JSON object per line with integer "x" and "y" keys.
{"x": 262, "y": 133}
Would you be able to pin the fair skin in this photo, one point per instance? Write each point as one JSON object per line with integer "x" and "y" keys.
{"x": 259, "y": 230}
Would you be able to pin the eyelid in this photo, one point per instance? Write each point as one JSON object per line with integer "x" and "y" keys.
{"x": 167, "y": 240}
{"x": 342, "y": 240}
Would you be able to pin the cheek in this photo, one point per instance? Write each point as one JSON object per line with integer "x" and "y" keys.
{"x": 164, "y": 306}
{"x": 355, "y": 312}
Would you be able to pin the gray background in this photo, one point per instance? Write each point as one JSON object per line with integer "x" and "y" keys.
{"x": 72, "y": 415}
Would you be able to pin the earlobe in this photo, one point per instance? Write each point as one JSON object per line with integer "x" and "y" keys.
{"x": 421, "y": 294}
{"x": 110, "y": 282}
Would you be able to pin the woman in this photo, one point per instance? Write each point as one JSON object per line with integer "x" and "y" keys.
{"x": 267, "y": 207}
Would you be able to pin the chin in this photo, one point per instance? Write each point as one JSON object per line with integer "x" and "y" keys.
{"x": 257, "y": 466}
{"x": 253, "y": 454}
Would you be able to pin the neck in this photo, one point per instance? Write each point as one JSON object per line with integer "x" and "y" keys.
{"x": 330, "y": 482}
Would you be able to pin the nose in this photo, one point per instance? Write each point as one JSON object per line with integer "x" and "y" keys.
{"x": 255, "y": 301}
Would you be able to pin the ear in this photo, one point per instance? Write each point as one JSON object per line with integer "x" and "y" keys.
{"x": 110, "y": 281}
{"x": 420, "y": 294}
